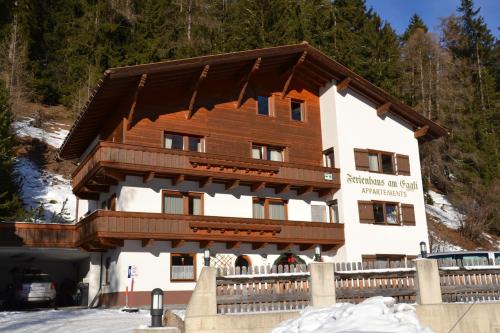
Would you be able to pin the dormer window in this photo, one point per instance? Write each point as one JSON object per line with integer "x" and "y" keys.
{"x": 183, "y": 142}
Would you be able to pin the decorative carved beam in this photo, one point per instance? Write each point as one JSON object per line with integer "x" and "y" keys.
{"x": 148, "y": 242}
{"x": 148, "y": 177}
{"x": 178, "y": 179}
{"x": 304, "y": 190}
{"x": 232, "y": 245}
{"x": 306, "y": 247}
{"x": 206, "y": 244}
{"x": 291, "y": 74}
{"x": 283, "y": 189}
{"x": 284, "y": 246}
{"x": 421, "y": 131}
{"x": 324, "y": 192}
{"x": 206, "y": 181}
{"x": 196, "y": 86}
{"x": 383, "y": 109}
{"x": 258, "y": 186}
{"x": 231, "y": 185}
{"x": 246, "y": 81}
{"x": 131, "y": 113}
{"x": 177, "y": 243}
{"x": 257, "y": 246}
{"x": 344, "y": 84}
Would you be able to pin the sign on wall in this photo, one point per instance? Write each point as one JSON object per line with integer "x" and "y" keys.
{"x": 132, "y": 271}
{"x": 383, "y": 187}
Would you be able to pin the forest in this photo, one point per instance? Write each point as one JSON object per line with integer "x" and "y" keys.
{"x": 54, "y": 52}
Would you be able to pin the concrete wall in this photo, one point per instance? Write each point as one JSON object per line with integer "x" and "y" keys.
{"x": 461, "y": 318}
{"x": 350, "y": 121}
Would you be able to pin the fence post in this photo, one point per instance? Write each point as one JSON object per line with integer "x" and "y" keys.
{"x": 427, "y": 282}
{"x": 322, "y": 284}
{"x": 203, "y": 301}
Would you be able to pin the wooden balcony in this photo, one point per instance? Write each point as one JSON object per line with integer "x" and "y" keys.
{"x": 108, "y": 229}
{"x": 110, "y": 162}
{"x": 37, "y": 235}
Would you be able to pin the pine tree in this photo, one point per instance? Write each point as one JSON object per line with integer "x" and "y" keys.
{"x": 416, "y": 22}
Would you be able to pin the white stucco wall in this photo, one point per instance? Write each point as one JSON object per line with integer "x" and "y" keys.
{"x": 350, "y": 121}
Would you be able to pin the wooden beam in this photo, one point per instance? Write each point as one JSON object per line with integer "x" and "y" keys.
{"x": 231, "y": 185}
{"x": 195, "y": 89}
{"x": 104, "y": 181}
{"x": 383, "y": 109}
{"x": 344, "y": 84}
{"x": 177, "y": 243}
{"x": 115, "y": 175}
{"x": 178, "y": 179}
{"x": 291, "y": 74}
{"x": 324, "y": 192}
{"x": 148, "y": 242}
{"x": 304, "y": 190}
{"x": 206, "y": 181}
{"x": 232, "y": 245}
{"x": 88, "y": 196}
{"x": 246, "y": 81}
{"x": 111, "y": 242}
{"x": 283, "y": 189}
{"x": 206, "y": 244}
{"x": 306, "y": 247}
{"x": 135, "y": 98}
{"x": 284, "y": 246}
{"x": 258, "y": 186}
{"x": 421, "y": 131}
{"x": 259, "y": 245}
{"x": 97, "y": 188}
{"x": 328, "y": 247}
{"x": 148, "y": 177}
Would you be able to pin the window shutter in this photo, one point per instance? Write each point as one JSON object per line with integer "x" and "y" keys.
{"x": 366, "y": 212}
{"x": 408, "y": 214}
{"x": 361, "y": 159}
{"x": 403, "y": 164}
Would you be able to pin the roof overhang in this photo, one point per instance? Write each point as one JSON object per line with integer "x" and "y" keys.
{"x": 317, "y": 70}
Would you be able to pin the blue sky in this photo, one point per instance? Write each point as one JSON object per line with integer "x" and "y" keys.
{"x": 398, "y": 12}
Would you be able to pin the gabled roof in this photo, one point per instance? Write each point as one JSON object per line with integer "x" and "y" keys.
{"x": 316, "y": 69}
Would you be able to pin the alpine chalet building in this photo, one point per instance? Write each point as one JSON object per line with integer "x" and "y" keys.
{"x": 259, "y": 157}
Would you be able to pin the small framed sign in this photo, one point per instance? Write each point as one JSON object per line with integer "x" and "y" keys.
{"x": 328, "y": 176}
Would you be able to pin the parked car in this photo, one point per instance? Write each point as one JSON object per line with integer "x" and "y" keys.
{"x": 35, "y": 288}
{"x": 468, "y": 258}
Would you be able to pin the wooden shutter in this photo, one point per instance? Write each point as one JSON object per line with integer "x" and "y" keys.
{"x": 366, "y": 212}
{"x": 403, "y": 164}
{"x": 408, "y": 213}
{"x": 361, "y": 159}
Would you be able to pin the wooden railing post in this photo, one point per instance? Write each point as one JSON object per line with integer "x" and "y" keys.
{"x": 322, "y": 284}
{"x": 427, "y": 282}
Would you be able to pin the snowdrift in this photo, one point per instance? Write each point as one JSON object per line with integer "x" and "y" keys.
{"x": 376, "y": 314}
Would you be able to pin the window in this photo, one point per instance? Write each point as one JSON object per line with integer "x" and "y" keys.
{"x": 379, "y": 161}
{"x": 392, "y": 213}
{"x": 334, "y": 211}
{"x": 182, "y": 267}
{"x": 267, "y": 208}
{"x": 182, "y": 203}
{"x": 329, "y": 158}
{"x": 183, "y": 142}
{"x": 269, "y": 153}
{"x": 318, "y": 213}
{"x": 263, "y": 105}
{"x": 297, "y": 112}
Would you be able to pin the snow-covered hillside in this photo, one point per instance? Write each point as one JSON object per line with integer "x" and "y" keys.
{"x": 443, "y": 211}
{"x": 40, "y": 187}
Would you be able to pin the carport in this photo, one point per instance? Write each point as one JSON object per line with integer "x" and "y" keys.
{"x": 66, "y": 266}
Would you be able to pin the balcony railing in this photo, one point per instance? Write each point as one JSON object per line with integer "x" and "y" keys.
{"x": 111, "y": 159}
{"x": 104, "y": 229}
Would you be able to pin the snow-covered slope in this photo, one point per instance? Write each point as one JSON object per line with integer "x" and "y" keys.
{"x": 40, "y": 187}
{"x": 443, "y": 211}
{"x": 376, "y": 314}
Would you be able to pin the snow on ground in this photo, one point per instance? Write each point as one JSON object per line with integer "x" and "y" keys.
{"x": 443, "y": 211}
{"x": 53, "y": 134}
{"x": 440, "y": 245}
{"x": 38, "y": 186}
{"x": 376, "y": 314}
{"x": 73, "y": 320}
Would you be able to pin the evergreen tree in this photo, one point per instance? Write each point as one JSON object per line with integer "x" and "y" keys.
{"x": 416, "y": 22}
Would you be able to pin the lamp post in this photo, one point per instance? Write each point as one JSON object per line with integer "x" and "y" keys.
{"x": 423, "y": 250}
{"x": 317, "y": 253}
{"x": 156, "y": 307}
{"x": 206, "y": 257}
